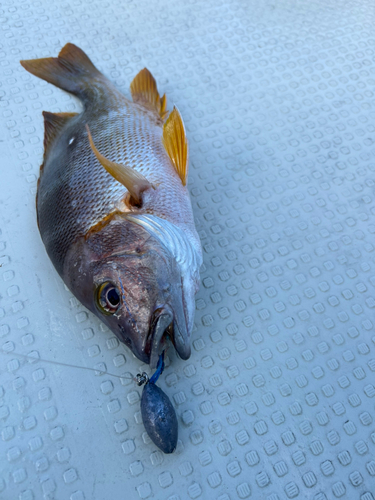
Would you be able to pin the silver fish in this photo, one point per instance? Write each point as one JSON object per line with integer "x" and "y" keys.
{"x": 113, "y": 207}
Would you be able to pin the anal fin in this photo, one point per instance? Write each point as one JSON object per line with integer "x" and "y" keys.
{"x": 53, "y": 124}
{"x": 144, "y": 91}
{"x": 176, "y": 144}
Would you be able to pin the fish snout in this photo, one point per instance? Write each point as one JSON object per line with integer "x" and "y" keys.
{"x": 181, "y": 342}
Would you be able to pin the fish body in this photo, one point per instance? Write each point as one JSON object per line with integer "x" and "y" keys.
{"x": 113, "y": 207}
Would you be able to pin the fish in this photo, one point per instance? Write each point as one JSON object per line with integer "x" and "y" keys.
{"x": 113, "y": 206}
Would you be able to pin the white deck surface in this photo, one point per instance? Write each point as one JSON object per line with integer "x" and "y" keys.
{"x": 278, "y": 398}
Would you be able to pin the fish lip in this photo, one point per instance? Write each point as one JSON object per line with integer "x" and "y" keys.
{"x": 157, "y": 340}
{"x": 180, "y": 343}
{"x": 163, "y": 317}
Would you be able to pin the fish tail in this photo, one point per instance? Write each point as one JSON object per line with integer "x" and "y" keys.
{"x": 72, "y": 70}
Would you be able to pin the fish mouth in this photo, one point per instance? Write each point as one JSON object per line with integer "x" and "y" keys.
{"x": 163, "y": 328}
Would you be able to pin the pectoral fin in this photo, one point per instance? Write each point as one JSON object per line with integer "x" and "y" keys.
{"x": 134, "y": 182}
{"x": 176, "y": 145}
{"x": 144, "y": 91}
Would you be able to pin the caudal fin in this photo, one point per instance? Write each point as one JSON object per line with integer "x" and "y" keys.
{"x": 72, "y": 70}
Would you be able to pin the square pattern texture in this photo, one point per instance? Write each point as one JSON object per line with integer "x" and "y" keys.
{"x": 277, "y": 401}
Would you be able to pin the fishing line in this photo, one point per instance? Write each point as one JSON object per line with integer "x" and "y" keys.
{"x": 96, "y": 370}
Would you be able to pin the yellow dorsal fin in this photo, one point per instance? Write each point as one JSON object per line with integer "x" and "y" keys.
{"x": 53, "y": 124}
{"x": 134, "y": 182}
{"x": 144, "y": 91}
{"x": 176, "y": 144}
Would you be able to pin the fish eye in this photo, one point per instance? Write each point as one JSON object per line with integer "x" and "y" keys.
{"x": 107, "y": 298}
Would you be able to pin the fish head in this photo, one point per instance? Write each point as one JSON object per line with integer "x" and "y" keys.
{"x": 134, "y": 285}
{"x": 138, "y": 296}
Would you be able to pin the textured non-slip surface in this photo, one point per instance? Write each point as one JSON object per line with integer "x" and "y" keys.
{"x": 278, "y": 398}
